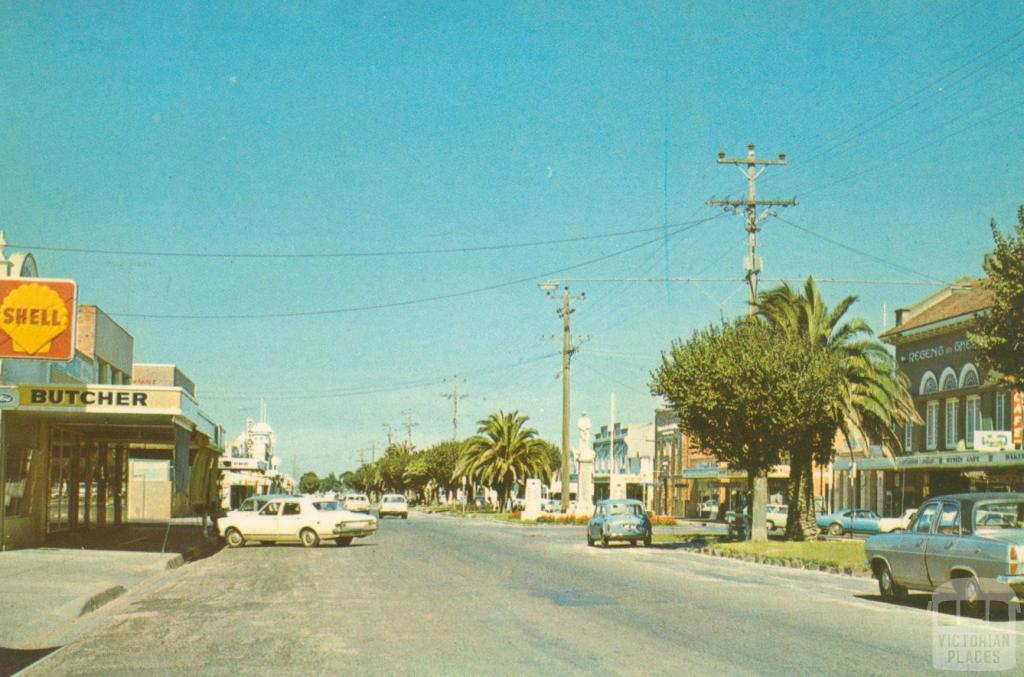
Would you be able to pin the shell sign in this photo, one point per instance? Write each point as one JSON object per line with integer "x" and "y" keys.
{"x": 37, "y": 318}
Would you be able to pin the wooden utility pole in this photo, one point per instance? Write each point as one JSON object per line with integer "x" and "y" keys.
{"x": 752, "y": 265}
{"x": 454, "y": 396}
{"x": 409, "y": 425}
{"x": 568, "y": 349}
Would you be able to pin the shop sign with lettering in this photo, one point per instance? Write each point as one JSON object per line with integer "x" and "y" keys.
{"x": 97, "y": 397}
{"x": 1018, "y": 417}
{"x": 37, "y": 318}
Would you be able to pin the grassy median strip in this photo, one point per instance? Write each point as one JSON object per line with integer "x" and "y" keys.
{"x": 845, "y": 556}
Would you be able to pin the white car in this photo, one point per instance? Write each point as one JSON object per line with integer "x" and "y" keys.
{"x": 357, "y": 503}
{"x": 305, "y": 519}
{"x": 901, "y": 523}
{"x": 394, "y": 504}
{"x": 776, "y": 516}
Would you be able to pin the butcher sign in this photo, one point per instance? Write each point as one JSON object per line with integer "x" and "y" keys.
{"x": 37, "y": 318}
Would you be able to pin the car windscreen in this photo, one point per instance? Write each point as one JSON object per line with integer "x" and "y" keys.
{"x": 999, "y": 514}
{"x": 327, "y": 506}
{"x": 624, "y": 509}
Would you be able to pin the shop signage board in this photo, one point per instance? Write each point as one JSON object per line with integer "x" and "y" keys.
{"x": 993, "y": 440}
{"x": 9, "y": 397}
{"x": 961, "y": 460}
{"x": 37, "y": 319}
{"x": 91, "y": 398}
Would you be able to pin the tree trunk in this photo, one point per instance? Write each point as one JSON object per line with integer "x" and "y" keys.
{"x": 800, "y": 522}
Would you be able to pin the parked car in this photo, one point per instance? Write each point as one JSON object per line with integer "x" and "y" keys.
{"x": 708, "y": 509}
{"x": 357, "y": 503}
{"x": 844, "y": 520}
{"x": 305, "y": 519}
{"x": 887, "y": 524}
{"x": 966, "y": 540}
{"x": 394, "y": 504}
{"x": 777, "y": 516}
{"x": 619, "y": 520}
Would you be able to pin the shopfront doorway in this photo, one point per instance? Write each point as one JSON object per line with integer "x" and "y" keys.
{"x": 87, "y": 481}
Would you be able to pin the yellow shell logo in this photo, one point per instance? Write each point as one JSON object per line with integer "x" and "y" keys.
{"x": 33, "y": 316}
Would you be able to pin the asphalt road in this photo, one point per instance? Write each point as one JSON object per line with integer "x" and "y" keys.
{"x": 440, "y": 595}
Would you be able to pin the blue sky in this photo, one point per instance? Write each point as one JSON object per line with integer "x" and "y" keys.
{"x": 298, "y": 128}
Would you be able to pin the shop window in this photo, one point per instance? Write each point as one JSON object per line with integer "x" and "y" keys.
{"x": 928, "y": 384}
{"x": 949, "y": 380}
{"x": 952, "y": 411}
{"x": 17, "y": 496}
{"x": 973, "y": 419}
{"x": 1002, "y": 418}
{"x": 932, "y": 425}
{"x": 968, "y": 376}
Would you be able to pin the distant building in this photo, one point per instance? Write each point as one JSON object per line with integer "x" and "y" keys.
{"x": 633, "y": 458}
{"x": 249, "y": 465}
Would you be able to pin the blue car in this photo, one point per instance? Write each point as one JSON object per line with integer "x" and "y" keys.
{"x": 621, "y": 519}
{"x": 844, "y": 520}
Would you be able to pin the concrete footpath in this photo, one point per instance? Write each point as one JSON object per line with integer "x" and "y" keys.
{"x": 45, "y": 592}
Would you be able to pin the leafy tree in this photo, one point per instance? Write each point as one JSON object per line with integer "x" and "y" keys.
{"x": 749, "y": 392}
{"x": 392, "y": 465}
{"x": 502, "y": 453}
{"x": 872, "y": 398}
{"x": 309, "y": 483}
{"x": 432, "y": 469}
{"x": 330, "y": 483}
{"x": 1000, "y": 331}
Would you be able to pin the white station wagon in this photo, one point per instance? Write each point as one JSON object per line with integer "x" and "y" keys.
{"x": 304, "y": 519}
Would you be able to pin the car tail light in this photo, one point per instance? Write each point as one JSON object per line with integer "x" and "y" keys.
{"x": 1016, "y": 566}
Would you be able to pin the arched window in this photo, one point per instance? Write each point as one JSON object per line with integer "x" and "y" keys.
{"x": 949, "y": 379}
{"x": 969, "y": 376}
{"x": 928, "y": 383}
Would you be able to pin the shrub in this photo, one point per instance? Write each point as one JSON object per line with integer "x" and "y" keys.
{"x": 663, "y": 520}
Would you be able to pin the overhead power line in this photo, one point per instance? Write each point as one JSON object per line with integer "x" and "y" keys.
{"x": 877, "y": 259}
{"x": 415, "y": 301}
{"x": 353, "y": 254}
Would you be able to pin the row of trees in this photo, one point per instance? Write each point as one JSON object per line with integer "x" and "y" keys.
{"x": 503, "y": 454}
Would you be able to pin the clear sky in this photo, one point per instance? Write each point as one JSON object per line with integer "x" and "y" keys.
{"x": 309, "y": 128}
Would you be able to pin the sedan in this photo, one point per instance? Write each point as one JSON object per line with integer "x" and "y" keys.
{"x": 844, "y": 520}
{"x": 619, "y": 520}
{"x": 973, "y": 543}
{"x": 357, "y": 503}
{"x": 296, "y": 519}
{"x": 394, "y": 504}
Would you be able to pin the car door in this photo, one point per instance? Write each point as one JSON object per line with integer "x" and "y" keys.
{"x": 289, "y": 522}
{"x": 264, "y": 522}
{"x": 910, "y": 568}
{"x": 941, "y": 551}
{"x": 597, "y": 522}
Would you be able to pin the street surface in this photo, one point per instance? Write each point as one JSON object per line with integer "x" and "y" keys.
{"x": 441, "y": 595}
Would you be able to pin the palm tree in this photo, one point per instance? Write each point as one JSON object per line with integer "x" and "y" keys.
{"x": 874, "y": 399}
{"x": 502, "y": 453}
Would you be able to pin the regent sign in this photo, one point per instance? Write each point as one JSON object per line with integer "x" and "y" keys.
{"x": 37, "y": 318}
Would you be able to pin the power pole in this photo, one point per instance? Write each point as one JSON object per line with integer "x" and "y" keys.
{"x": 752, "y": 266}
{"x": 388, "y": 431}
{"x": 568, "y": 349}
{"x": 454, "y": 396}
{"x": 409, "y": 425}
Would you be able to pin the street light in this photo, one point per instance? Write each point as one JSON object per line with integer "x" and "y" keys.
{"x": 548, "y": 287}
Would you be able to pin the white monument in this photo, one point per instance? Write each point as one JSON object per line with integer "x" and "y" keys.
{"x": 532, "y": 509}
{"x": 585, "y": 474}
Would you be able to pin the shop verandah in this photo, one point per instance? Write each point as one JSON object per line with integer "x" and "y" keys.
{"x": 82, "y": 469}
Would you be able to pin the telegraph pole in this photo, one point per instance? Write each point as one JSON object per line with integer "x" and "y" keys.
{"x": 752, "y": 265}
{"x": 409, "y": 425}
{"x": 454, "y": 396}
{"x": 388, "y": 431}
{"x": 568, "y": 349}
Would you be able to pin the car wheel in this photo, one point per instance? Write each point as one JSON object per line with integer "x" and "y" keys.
{"x": 836, "y": 529}
{"x": 590, "y": 541}
{"x": 888, "y": 588}
{"x": 343, "y": 541}
{"x": 770, "y": 525}
{"x": 234, "y": 538}
{"x": 604, "y": 540}
{"x": 968, "y": 591}
{"x": 647, "y": 540}
{"x": 309, "y": 538}
{"x": 405, "y": 516}
{"x": 632, "y": 542}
